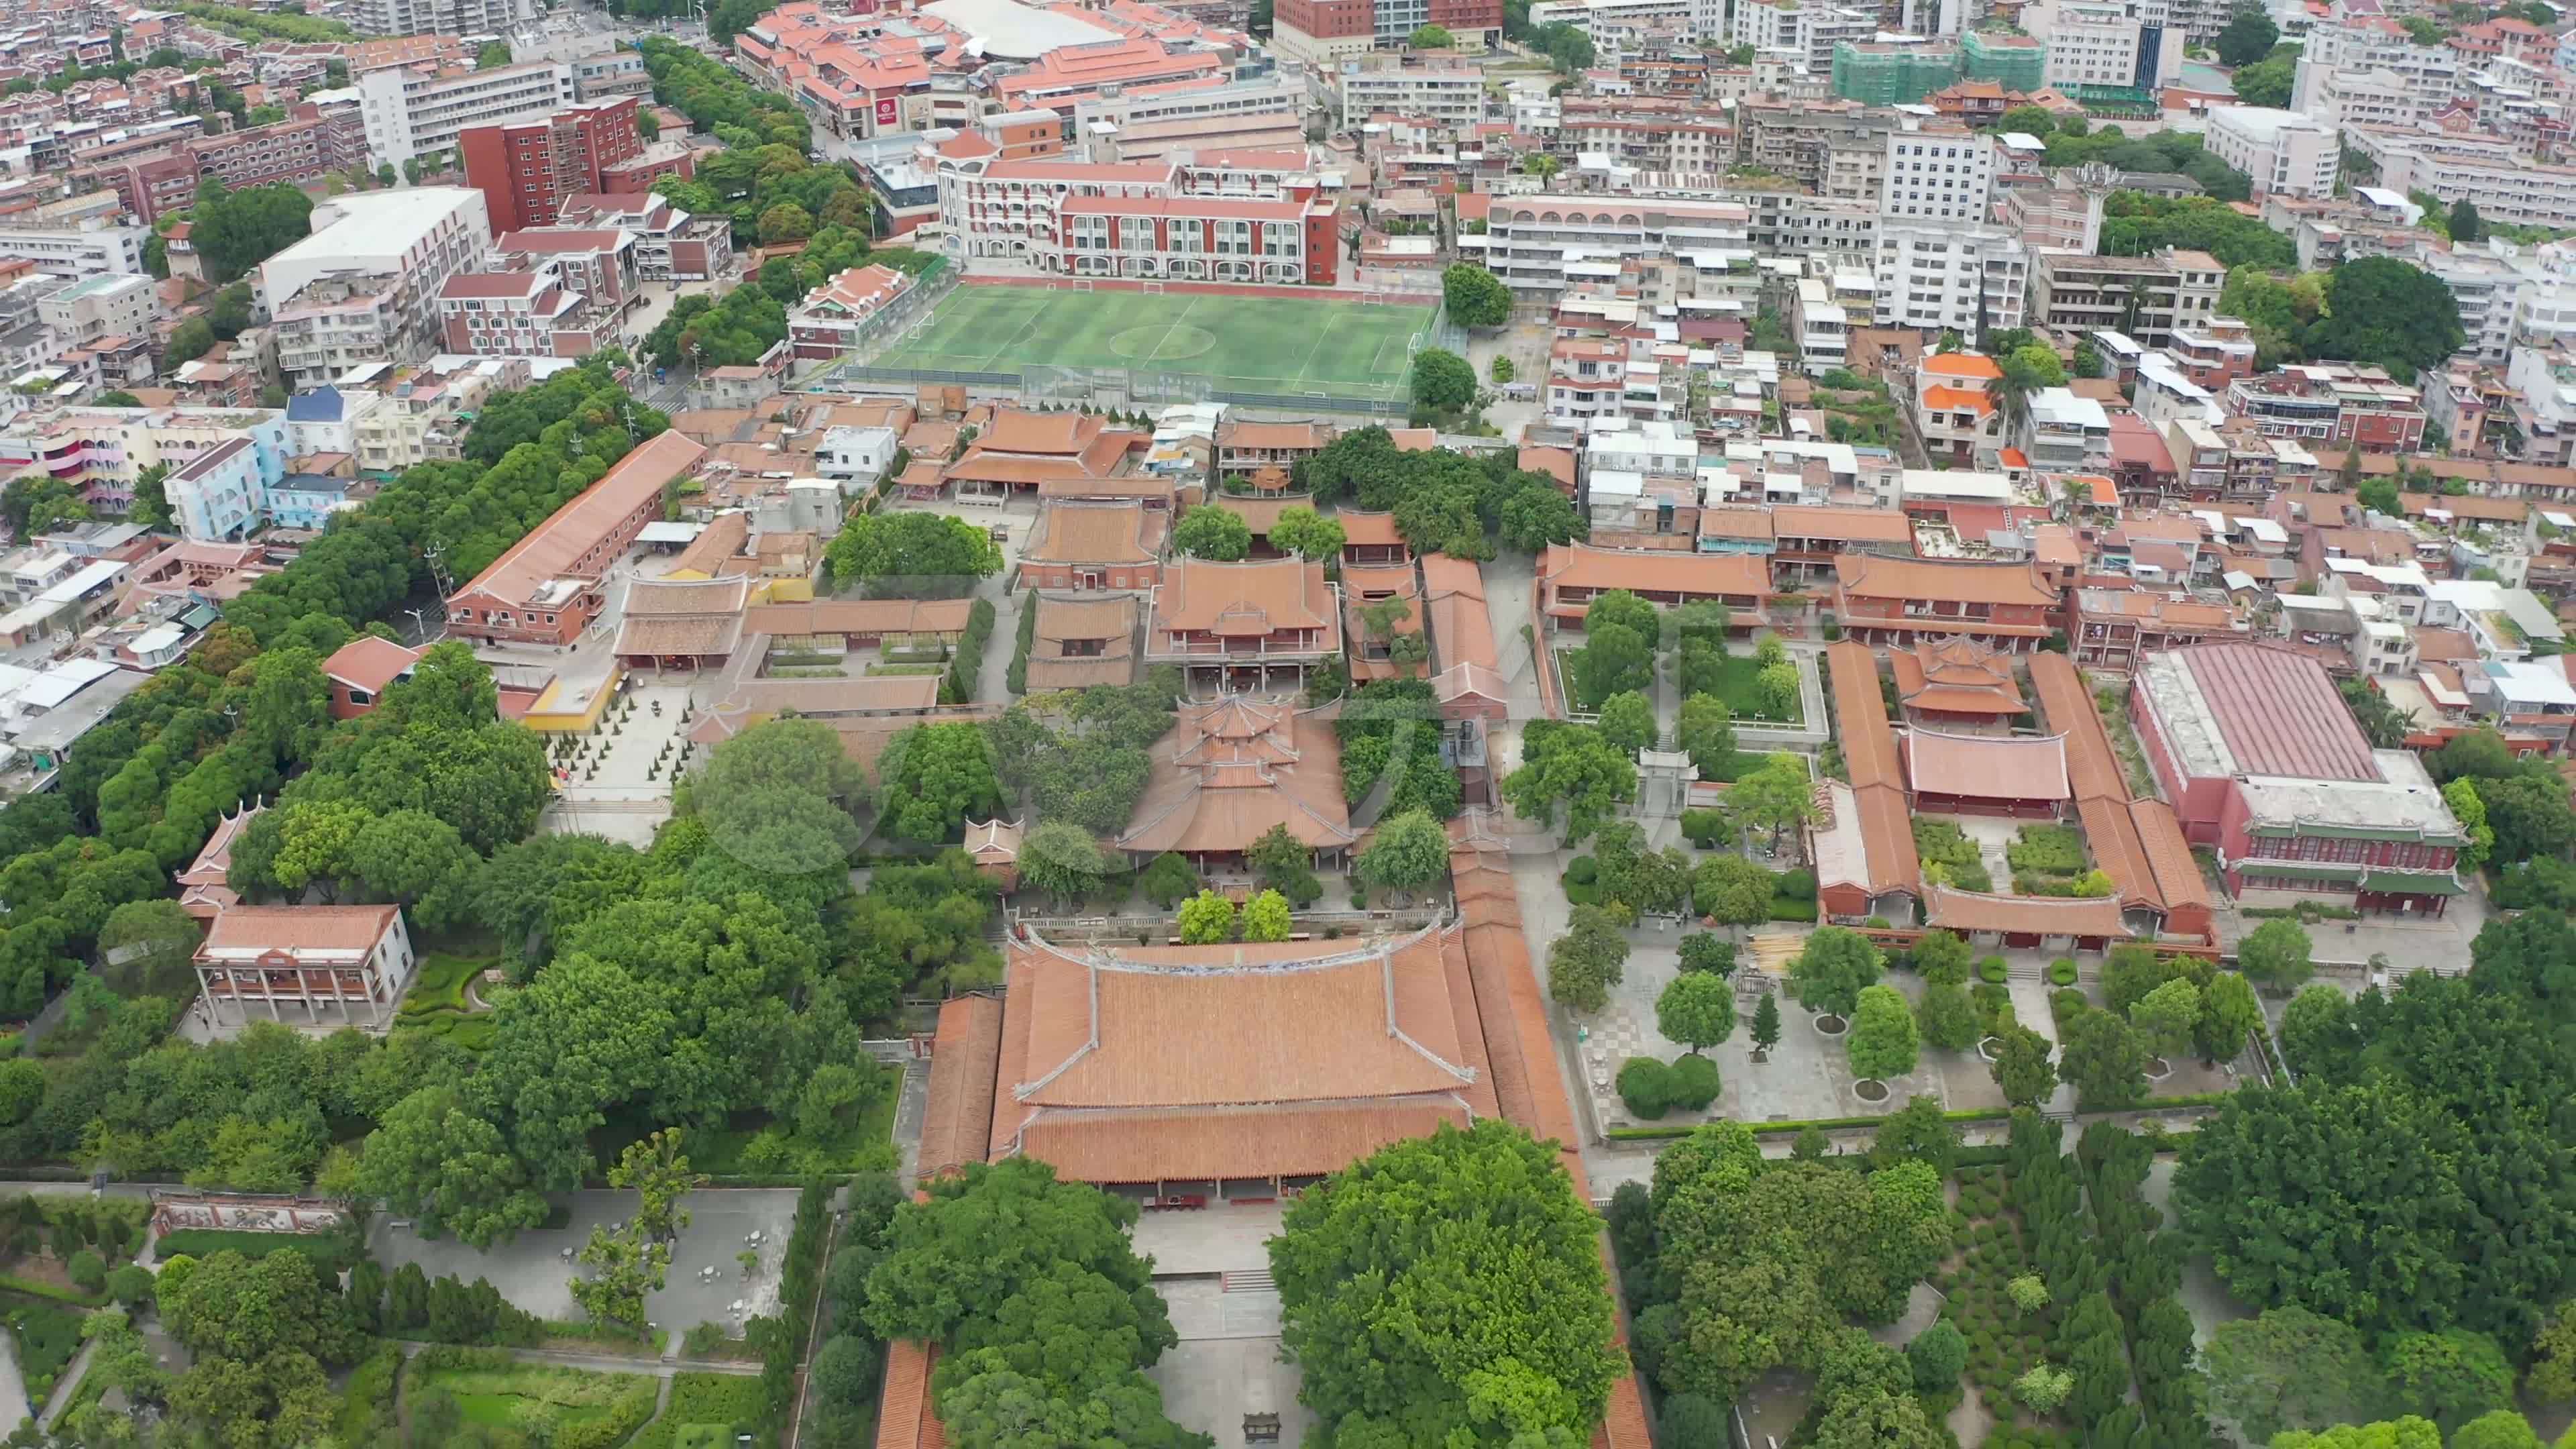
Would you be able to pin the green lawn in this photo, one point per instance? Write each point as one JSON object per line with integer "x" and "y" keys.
{"x": 439, "y": 985}
{"x": 1735, "y": 677}
{"x": 524, "y": 1395}
{"x": 1269, "y": 344}
{"x": 704, "y": 1412}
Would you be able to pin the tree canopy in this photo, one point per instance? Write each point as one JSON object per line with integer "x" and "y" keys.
{"x": 1473, "y": 1239}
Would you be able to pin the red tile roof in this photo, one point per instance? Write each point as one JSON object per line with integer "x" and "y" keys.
{"x": 1870, "y": 760}
{"x": 1873, "y": 576}
{"x": 322, "y": 930}
{"x": 2018, "y": 768}
{"x": 578, "y": 526}
{"x": 369, "y": 663}
{"x": 1965, "y": 911}
{"x": 2277, "y": 712}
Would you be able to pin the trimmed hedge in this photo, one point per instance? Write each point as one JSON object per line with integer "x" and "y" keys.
{"x": 2061, "y": 972}
{"x": 1017, "y": 681}
{"x": 1992, "y": 971}
{"x": 332, "y": 1252}
{"x": 966, "y": 666}
{"x": 1980, "y": 1114}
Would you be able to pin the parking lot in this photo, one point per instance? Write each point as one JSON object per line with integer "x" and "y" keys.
{"x": 534, "y": 1270}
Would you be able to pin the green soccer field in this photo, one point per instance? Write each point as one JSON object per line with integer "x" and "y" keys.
{"x": 1279, "y": 344}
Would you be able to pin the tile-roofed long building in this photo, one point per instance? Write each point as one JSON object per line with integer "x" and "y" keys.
{"x": 546, "y": 588}
{"x": 1866, "y": 863}
{"x": 1570, "y": 575}
{"x": 1897, "y": 601}
{"x": 2137, "y": 842}
{"x": 1238, "y": 624}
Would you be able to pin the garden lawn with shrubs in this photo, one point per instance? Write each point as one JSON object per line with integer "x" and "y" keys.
{"x": 1735, "y": 683}
{"x": 334, "y": 1253}
{"x": 1943, "y": 843}
{"x": 47, "y": 1338}
{"x": 565, "y": 1406}
{"x": 436, "y": 1001}
{"x": 705, "y": 1412}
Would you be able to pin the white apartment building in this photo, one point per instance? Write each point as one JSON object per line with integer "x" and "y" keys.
{"x": 1786, "y": 224}
{"x": 2429, "y": 72}
{"x": 2488, "y": 290}
{"x": 2059, "y": 217}
{"x": 2505, "y": 183}
{"x": 1600, "y": 19}
{"x": 84, "y": 311}
{"x": 1821, "y": 326}
{"x": 2280, "y": 151}
{"x": 1935, "y": 277}
{"x": 438, "y": 17}
{"x": 363, "y": 287}
{"x": 1812, "y": 31}
{"x": 2107, "y": 42}
{"x": 1247, "y": 115}
{"x": 87, "y": 247}
{"x": 1454, "y": 94}
{"x": 1937, "y": 174}
{"x": 2365, "y": 98}
{"x": 1531, "y": 240}
{"x": 410, "y": 113}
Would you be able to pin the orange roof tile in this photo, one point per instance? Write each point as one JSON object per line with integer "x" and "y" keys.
{"x": 1950, "y": 399}
{"x": 1873, "y": 576}
{"x": 1103, "y": 533}
{"x": 573, "y": 530}
{"x": 299, "y": 930}
{"x": 1232, "y": 769}
{"x": 957, "y": 1117}
{"x": 1985, "y": 767}
{"x": 1248, "y": 598}
{"x": 1963, "y": 364}
{"x": 1700, "y": 575}
{"x": 1965, "y": 911}
{"x": 1870, "y": 760}
{"x": 369, "y": 663}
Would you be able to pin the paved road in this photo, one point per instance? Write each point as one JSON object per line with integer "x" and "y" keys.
{"x": 13, "y": 1386}
{"x": 66, "y": 1384}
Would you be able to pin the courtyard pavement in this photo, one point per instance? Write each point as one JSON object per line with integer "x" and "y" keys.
{"x": 533, "y": 1271}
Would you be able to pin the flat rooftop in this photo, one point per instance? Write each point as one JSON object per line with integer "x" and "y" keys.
{"x": 2407, "y": 802}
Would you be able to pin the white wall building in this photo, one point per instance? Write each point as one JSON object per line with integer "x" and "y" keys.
{"x": 2282, "y": 151}
{"x": 409, "y": 113}
{"x": 1532, "y": 240}
{"x": 2504, "y": 182}
{"x": 87, "y": 247}
{"x": 363, "y": 287}
{"x": 438, "y": 17}
{"x": 1601, "y": 18}
{"x": 2107, "y": 42}
{"x": 1937, "y": 174}
{"x": 1937, "y": 277}
{"x": 1451, "y": 93}
{"x": 1811, "y": 31}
